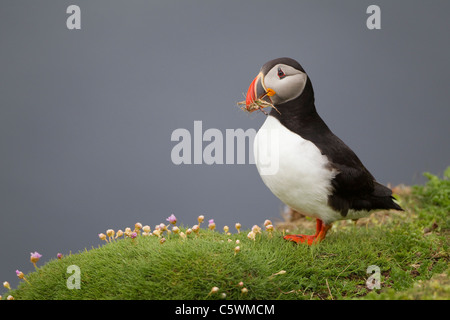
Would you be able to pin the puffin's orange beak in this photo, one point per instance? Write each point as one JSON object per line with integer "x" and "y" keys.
{"x": 256, "y": 91}
{"x": 251, "y": 92}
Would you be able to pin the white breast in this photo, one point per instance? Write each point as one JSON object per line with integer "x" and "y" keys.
{"x": 294, "y": 170}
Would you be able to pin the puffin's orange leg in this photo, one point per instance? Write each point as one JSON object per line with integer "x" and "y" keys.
{"x": 321, "y": 231}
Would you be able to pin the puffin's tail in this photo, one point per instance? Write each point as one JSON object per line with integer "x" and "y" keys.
{"x": 382, "y": 198}
{"x": 396, "y": 206}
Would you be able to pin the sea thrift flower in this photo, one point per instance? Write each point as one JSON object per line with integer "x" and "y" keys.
{"x": 146, "y": 229}
{"x": 214, "y": 290}
{"x": 196, "y": 229}
{"x": 183, "y": 235}
{"x": 162, "y": 227}
{"x": 10, "y": 297}
{"x": 238, "y": 227}
{"x": 110, "y": 233}
{"x": 102, "y": 236}
{"x": 238, "y": 241}
{"x": 162, "y": 240}
{"x": 226, "y": 229}
{"x": 59, "y": 256}
{"x": 119, "y": 234}
{"x": 251, "y": 235}
{"x": 157, "y": 232}
{"x": 6, "y": 285}
{"x": 237, "y": 249}
{"x": 175, "y": 230}
{"x": 244, "y": 290}
{"x": 267, "y": 222}
{"x": 19, "y": 274}
{"x": 137, "y": 227}
{"x": 35, "y": 258}
{"x": 211, "y": 224}
{"x": 189, "y": 231}
{"x": 127, "y": 232}
{"x": 240, "y": 284}
{"x": 256, "y": 229}
{"x": 172, "y": 219}
{"x": 200, "y": 219}
{"x": 133, "y": 235}
{"x": 223, "y": 295}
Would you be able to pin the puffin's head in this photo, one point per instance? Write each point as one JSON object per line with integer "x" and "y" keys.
{"x": 279, "y": 81}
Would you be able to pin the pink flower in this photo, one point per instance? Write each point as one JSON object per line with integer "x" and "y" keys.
{"x": 35, "y": 257}
{"x": 267, "y": 222}
{"x": 19, "y": 274}
{"x": 211, "y": 221}
{"x": 133, "y": 235}
{"x": 59, "y": 256}
{"x": 172, "y": 219}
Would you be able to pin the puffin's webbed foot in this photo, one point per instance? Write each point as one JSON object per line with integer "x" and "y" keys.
{"x": 301, "y": 238}
{"x": 321, "y": 231}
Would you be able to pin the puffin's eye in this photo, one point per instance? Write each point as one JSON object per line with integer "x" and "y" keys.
{"x": 281, "y": 74}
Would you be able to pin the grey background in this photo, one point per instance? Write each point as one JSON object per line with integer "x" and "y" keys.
{"x": 86, "y": 116}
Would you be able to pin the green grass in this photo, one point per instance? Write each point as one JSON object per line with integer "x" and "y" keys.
{"x": 410, "y": 248}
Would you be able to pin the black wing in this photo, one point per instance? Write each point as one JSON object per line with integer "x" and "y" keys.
{"x": 354, "y": 186}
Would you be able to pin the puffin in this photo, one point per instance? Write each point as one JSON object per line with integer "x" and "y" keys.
{"x": 301, "y": 160}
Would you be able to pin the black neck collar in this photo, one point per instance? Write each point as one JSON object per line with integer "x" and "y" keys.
{"x": 300, "y": 115}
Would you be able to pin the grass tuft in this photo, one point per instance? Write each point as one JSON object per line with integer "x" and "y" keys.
{"x": 410, "y": 249}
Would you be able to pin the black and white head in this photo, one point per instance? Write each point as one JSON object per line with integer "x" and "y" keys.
{"x": 279, "y": 81}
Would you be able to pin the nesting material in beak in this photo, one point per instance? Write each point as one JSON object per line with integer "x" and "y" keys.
{"x": 258, "y": 97}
